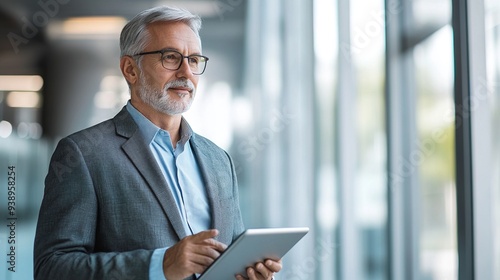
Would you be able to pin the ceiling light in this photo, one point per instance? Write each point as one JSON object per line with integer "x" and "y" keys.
{"x": 87, "y": 26}
{"x": 94, "y": 25}
{"x": 23, "y": 99}
{"x": 200, "y": 8}
{"x": 5, "y": 129}
{"x": 20, "y": 83}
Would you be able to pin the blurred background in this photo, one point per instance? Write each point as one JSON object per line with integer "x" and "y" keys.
{"x": 340, "y": 115}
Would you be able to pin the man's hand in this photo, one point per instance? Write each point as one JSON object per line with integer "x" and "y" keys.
{"x": 193, "y": 254}
{"x": 262, "y": 271}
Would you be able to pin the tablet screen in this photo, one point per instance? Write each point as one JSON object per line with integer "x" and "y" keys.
{"x": 252, "y": 246}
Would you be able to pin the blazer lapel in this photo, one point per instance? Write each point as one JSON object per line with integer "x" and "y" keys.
{"x": 208, "y": 170}
{"x": 143, "y": 160}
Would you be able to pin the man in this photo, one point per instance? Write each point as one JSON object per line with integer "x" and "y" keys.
{"x": 141, "y": 196}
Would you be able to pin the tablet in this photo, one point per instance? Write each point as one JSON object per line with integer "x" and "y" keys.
{"x": 252, "y": 246}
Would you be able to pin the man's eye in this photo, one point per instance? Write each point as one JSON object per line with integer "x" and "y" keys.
{"x": 170, "y": 56}
{"x": 194, "y": 60}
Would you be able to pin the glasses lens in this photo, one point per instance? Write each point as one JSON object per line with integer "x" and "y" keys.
{"x": 172, "y": 60}
{"x": 197, "y": 63}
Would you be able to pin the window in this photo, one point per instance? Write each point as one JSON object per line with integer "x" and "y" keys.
{"x": 492, "y": 34}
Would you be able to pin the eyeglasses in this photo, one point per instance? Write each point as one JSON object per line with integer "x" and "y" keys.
{"x": 172, "y": 60}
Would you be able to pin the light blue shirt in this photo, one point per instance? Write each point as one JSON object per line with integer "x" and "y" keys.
{"x": 182, "y": 175}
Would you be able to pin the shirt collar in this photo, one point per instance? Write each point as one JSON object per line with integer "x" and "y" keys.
{"x": 149, "y": 130}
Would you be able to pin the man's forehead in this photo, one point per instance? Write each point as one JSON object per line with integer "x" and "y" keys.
{"x": 173, "y": 33}
{"x": 174, "y": 29}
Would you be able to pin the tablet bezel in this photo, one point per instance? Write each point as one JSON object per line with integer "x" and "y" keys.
{"x": 273, "y": 243}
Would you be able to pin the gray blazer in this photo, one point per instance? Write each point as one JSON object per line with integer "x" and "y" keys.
{"x": 107, "y": 206}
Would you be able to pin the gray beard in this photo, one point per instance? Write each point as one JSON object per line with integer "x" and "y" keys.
{"x": 161, "y": 101}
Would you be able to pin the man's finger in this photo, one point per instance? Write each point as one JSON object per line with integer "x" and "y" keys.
{"x": 274, "y": 266}
{"x": 219, "y": 246}
{"x": 207, "y": 251}
{"x": 202, "y": 260}
{"x": 263, "y": 270}
{"x": 206, "y": 234}
{"x": 253, "y": 274}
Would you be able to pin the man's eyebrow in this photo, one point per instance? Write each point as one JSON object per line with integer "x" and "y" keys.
{"x": 174, "y": 49}
{"x": 169, "y": 49}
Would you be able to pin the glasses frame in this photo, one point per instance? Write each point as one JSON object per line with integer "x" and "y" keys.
{"x": 162, "y": 52}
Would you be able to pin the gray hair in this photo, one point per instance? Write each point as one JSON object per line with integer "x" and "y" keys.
{"x": 134, "y": 36}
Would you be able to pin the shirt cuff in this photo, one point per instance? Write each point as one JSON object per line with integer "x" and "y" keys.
{"x": 156, "y": 265}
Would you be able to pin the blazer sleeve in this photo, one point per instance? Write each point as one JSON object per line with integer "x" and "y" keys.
{"x": 66, "y": 230}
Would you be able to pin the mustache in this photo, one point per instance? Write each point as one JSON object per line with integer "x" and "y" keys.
{"x": 180, "y": 83}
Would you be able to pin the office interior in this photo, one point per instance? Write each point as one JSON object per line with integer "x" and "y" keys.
{"x": 372, "y": 122}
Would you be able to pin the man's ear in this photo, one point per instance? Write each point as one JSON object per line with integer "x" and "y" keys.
{"x": 130, "y": 69}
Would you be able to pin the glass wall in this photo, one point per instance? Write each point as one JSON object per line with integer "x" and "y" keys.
{"x": 370, "y": 187}
{"x": 276, "y": 153}
{"x": 326, "y": 53}
{"x": 492, "y": 34}
{"x": 435, "y": 156}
